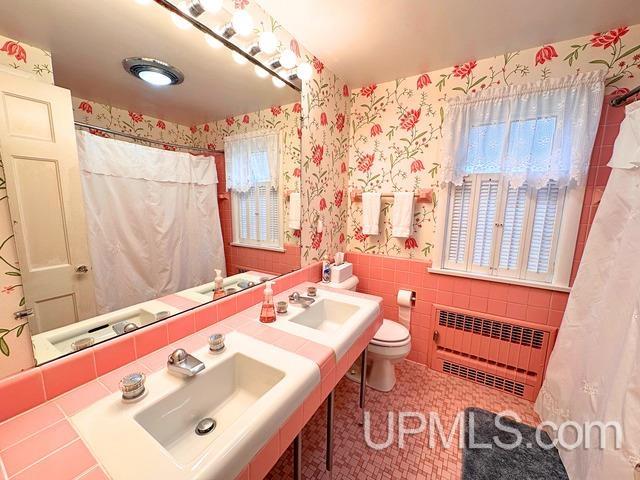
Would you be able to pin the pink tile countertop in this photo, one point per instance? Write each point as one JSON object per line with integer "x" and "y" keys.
{"x": 42, "y": 443}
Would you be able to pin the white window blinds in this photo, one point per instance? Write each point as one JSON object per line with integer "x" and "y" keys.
{"x": 485, "y": 221}
{"x": 497, "y": 229}
{"x": 544, "y": 229}
{"x": 515, "y": 210}
{"x": 258, "y": 217}
{"x": 459, "y": 222}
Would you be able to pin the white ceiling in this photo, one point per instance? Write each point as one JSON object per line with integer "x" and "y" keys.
{"x": 372, "y": 41}
{"x": 89, "y": 39}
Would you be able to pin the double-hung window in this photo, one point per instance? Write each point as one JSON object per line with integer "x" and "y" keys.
{"x": 515, "y": 167}
{"x": 252, "y": 173}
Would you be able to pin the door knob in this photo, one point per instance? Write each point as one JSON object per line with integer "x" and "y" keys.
{"x": 82, "y": 269}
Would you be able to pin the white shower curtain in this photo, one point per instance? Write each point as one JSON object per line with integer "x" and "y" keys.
{"x": 152, "y": 220}
{"x": 594, "y": 371}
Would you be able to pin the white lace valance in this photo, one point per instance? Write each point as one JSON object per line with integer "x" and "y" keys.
{"x": 531, "y": 133}
{"x": 252, "y": 159}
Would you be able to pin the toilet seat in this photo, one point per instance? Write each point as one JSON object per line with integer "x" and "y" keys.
{"x": 391, "y": 334}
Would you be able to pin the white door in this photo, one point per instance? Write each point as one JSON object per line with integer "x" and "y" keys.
{"x": 38, "y": 151}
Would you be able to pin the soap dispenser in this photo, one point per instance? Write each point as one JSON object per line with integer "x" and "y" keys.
{"x": 268, "y": 311}
{"x": 218, "y": 291}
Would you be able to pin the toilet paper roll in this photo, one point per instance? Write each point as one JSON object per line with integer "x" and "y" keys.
{"x": 405, "y": 302}
{"x": 405, "y": 298}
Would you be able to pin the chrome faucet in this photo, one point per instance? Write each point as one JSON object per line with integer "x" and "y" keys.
{"x": 183, "y": 363}
{"x": 297, "y": 299}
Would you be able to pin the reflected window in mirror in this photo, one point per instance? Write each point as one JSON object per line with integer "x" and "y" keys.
{"x": 253, "y": 179}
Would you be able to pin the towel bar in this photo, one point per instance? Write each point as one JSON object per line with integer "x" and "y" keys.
{"x": 423, "y": 195}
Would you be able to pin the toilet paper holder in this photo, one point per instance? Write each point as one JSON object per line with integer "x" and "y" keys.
{"x": 403, "y": 295}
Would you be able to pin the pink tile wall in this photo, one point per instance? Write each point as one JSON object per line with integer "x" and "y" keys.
{"x": 598, "y": 172}
{"x": 28, "y": 389}
{"x": 384, "y": 276}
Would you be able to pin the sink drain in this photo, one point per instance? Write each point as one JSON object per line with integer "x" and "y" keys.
{"x": 206, "y": 425}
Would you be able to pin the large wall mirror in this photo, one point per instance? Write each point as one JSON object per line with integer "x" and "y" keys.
{"x": 149, "y": 169}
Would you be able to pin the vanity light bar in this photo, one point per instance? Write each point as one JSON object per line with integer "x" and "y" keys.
{"x": 225, "y": 41}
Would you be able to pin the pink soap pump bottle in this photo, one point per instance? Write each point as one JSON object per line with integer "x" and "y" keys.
{"x": 268, "y": 311}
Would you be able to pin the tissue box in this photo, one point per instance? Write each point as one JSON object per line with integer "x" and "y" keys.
{"x": 341, "y": 273}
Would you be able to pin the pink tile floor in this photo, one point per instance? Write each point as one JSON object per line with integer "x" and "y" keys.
{"x": 419, "y": 389}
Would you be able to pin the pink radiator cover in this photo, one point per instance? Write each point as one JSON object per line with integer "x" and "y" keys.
{"x": 500, "y": 352}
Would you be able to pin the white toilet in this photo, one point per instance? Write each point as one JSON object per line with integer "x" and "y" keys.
{"x": 390, "y": 344}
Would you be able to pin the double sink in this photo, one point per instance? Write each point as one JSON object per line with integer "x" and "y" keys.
{"x": 211, "y": 425}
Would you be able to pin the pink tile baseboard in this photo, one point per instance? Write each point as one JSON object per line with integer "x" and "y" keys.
{"x": 68, "y": 372}
{"x": 41, "y": 444}
{"x": 21, "y": 392}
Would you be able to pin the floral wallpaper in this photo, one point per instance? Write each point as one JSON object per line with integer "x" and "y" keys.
{"x": 287, "y": 120}
{"x": 20, "y": 56}
{"x": 135, "y": 123}
{"x": 325, "y": 148}
{"x": 16, "y": 353}
{"x": 395, "y": 127}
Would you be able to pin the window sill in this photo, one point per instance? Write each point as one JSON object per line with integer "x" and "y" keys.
{"x": 258, "y": 247}
{"x": 491, "y": 278}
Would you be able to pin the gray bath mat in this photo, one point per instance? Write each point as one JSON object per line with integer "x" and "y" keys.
{"x": 527, "y": 461}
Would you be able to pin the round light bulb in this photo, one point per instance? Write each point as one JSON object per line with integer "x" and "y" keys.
{"x": 239, "y": 59}
{"x": 288, "y": 59}
{"x": 261, "y": 72}
{"x": 277, "y": 82}
{"x": 268, "y": 42}
{"x": 212, "y": 42}
{"x": 211, "y": 6}
{"x": 178, "y": 20}
{"x": 242, "y": 22}
{"x": 305, "y": 71}
{"x": 154, "y": 78}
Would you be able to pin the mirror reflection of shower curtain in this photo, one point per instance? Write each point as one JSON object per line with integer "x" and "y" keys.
{"x": 152, "y": 220}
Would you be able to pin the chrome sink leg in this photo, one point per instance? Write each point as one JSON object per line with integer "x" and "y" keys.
{"x": 297, "y": 457}
{"x": 363, "y": 383}
{"x": 329, "y": 456}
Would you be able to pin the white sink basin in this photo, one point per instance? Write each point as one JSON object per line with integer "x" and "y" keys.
{"x": 223, "y": 392}
{"x": 335, "y": 320}
{"x": 326, "y": 315}
{"x": 249, "y": 390}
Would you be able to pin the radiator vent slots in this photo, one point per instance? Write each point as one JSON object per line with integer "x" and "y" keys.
{"x": 489, "y": 363}
{"x": 483, "y": 378}
{"x": 524, "y": 336}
